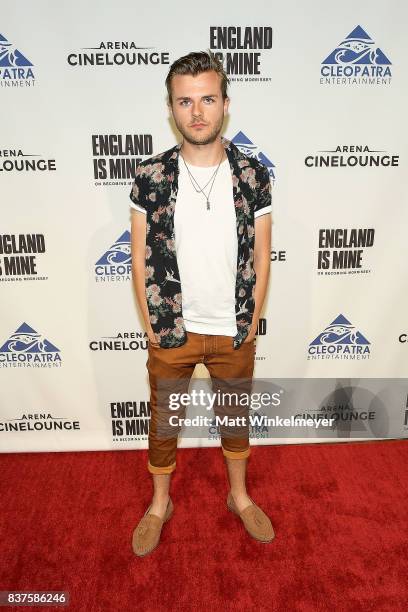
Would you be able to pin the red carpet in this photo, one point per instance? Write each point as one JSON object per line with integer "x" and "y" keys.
{"x": 339, "y": 512}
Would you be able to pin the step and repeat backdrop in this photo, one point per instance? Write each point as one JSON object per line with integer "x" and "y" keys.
{"x": 318, "y": 94}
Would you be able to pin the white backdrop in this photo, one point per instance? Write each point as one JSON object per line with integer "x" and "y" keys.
{"x": 72, "y": 345}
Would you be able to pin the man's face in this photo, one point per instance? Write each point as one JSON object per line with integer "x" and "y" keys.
{"x": 197, "y": 106}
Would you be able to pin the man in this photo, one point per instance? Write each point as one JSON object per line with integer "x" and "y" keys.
{"x": 196, "y": 211}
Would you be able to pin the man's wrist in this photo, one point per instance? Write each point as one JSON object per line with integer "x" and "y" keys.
{"x": 251, "y": 334}
{"x": 254, "y": 325}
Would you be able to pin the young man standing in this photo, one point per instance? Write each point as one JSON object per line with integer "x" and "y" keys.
{"x": 197, "y": 209}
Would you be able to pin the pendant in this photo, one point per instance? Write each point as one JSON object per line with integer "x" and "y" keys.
{"x": 208, "y": 204}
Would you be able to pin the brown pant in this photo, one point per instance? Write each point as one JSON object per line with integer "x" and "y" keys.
{"x": 225, "y": 365}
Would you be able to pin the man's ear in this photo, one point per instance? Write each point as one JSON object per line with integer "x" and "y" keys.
{"x": 226, "y": 105}
{"x": 169, "y": 107}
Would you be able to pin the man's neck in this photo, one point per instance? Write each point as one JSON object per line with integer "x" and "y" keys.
{"x": 203, "y": 155}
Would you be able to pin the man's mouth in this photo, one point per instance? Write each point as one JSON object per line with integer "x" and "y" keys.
{"x": 196, "y": 125}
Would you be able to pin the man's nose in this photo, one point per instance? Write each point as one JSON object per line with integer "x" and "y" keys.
{"x": 196, "y": 108}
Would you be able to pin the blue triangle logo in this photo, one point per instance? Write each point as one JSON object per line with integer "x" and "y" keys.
{"x": 247, "y": 147}
{"x": 340, "y": 331}
{"x": 26, "y": 340}
{"x": 118, "y": 253}
{"x": 241, "y": 139}
{"x": 358, "y": 32}
{"x": 357, "y": 48}
{"x": 11, "y": 57}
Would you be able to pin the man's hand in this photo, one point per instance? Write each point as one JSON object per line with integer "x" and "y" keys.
{"x": 152, "y": 338}
{"x": 251, "y": 335}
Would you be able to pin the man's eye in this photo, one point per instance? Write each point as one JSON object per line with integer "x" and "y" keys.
{"x": 209, "y": 99}
{"x": 185, "y": 102}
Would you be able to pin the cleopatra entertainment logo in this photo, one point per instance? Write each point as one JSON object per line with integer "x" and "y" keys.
{"x": 26, "y": 348}
{"x": 116, "y": 157}
{"x": 341, "y": 251}
{"x": 15, "y": 160}
{"x": 38, "y": 422}
{"x": 340, "y": 340}
{"x": 19, "y": 257}
{"x": 242, "y": 50}
{"x": 130, "y": 420}
{"x": 356, "y": 61}
{"x": 352, "y": 156}
{"x": 115, "y": 265}
{"x": 246, "y": 146}
{"x": 15, "y": 69}
{"x": 123, "y": 341}
{"x": 118, "y": 53}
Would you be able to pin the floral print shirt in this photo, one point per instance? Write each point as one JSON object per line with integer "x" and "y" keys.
{"x": 155, "y": 190}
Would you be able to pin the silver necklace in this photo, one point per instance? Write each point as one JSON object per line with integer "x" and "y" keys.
{"x": 201, "y": 189}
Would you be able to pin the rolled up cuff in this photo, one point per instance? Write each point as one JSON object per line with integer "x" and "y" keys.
{"x": 238, "y": 454}
{"x": 161, "y": 470}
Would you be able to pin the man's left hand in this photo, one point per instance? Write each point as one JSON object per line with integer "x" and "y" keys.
{"x": 251, "y": 336}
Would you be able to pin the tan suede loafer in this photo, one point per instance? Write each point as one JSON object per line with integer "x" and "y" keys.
{"x": 256, "y": 522}
{"x": 146, "y": 535}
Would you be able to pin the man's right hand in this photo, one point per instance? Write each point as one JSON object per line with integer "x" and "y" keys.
{"x": 152, "y": 338}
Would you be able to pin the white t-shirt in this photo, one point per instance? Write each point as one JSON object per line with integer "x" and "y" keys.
{"x": 207, "y": 249}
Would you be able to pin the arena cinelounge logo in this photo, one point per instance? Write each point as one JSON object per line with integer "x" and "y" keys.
{"x": 352, "y": 156}
{"x": 118, "y": 53}
{"x": 38, "y": 422}
{"x": 123, "y": 341}
{"x": 14, "y": 160}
